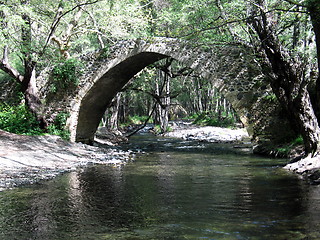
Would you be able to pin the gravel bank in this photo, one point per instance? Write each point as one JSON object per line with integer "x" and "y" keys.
{"x": 29, "y": 159}
{"x": 187, "y": 131}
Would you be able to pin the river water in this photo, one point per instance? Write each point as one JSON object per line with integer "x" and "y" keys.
{"x": 174, "y": 190}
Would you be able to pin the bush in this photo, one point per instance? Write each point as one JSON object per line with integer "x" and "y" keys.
{"x": 212, "y": 119}
{"x": 157, "y": 129}
{"x": 17, "y": 119}
{"x": 66, "y": 74}
{"x": 138, "y": 119}
{"x": 287, "y": 148}
{"x": 58, "y": 127}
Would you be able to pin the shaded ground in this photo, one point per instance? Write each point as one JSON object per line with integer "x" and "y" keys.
{"x": 28, "y": 159}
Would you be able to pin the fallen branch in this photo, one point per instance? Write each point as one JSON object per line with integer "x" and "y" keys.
{"x": 144, "y": 124}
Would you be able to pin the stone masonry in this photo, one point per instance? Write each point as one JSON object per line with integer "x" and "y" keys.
{"x": 233, "y": 70}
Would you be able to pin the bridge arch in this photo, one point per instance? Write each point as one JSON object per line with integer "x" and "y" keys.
{"x": 233, "y": 72}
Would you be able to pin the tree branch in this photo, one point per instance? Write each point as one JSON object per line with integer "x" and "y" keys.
{"x": 145, "y": 122}
{"x": 296, "y": 3}
{"x": 58, "y": 18}
{"x": 6, "y": 67}
{"x": 240, "y": 20}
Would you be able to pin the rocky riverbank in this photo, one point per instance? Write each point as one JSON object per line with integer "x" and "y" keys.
{"x": 308, "y": 168}
{"x": 29, "y": 159}
{"x": 188, "y": 131}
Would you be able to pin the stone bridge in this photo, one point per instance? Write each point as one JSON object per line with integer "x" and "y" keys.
{"x": 231, "y": 68}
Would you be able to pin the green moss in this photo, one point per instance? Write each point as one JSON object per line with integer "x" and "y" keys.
{"x": 270, "y": 98}
{"x": 104, "y": 53}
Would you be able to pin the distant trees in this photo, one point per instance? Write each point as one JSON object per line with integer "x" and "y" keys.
{"x": 168, "y": 90}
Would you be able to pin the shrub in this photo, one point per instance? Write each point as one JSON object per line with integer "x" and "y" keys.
{"x": 137, "y": 119}
{"x": 66, "y": 74}
{"x": 17, "y": 119}
{"x": 212, "y": 119}
{"x": 58, "y": 127}
{"x": 287, "y": 148}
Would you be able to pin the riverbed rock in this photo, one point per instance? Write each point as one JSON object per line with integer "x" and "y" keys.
{"x": 109, "y": 137}
{"x": 306, "y": 164}
{"x": 308, "y": 168}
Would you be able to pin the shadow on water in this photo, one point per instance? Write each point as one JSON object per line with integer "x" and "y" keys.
{"x": 176, "y": 190}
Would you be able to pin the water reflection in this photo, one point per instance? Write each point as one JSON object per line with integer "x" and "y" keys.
{"x": 168, "y": 193}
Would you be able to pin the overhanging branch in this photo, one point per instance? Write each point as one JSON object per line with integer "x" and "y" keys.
{"x": 58, "y": 18}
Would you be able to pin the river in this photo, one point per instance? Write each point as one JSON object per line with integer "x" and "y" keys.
{"x": 173, "y": 189}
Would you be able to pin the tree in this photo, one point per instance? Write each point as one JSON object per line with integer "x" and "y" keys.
{"x": 313, "y": 7}
{"x": 28, "y": 77}
{"x": 286, "y": 78}
{"x": 32, "y": 31}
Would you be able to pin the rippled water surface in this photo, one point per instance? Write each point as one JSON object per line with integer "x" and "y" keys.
{"x": 176, "y": 190}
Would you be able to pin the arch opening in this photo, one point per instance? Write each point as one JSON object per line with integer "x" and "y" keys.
{"x": 96, "y": 100}
{"x": 100, "y": 95}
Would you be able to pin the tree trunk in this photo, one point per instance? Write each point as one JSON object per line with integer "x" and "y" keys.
{"x": 286, "y": 79}
{"x": 28, "y": 82}
{"x": 113, "y": 120}
{"x": 314, "y": 12}
{"x": 32, "y": 99}
{"x": 165, "y": 104}
{"x": 307, "y": 121}
{"x": 162, "y": 95}
{"x": 157, "y": 112}
{"x": 64, "y": 42}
